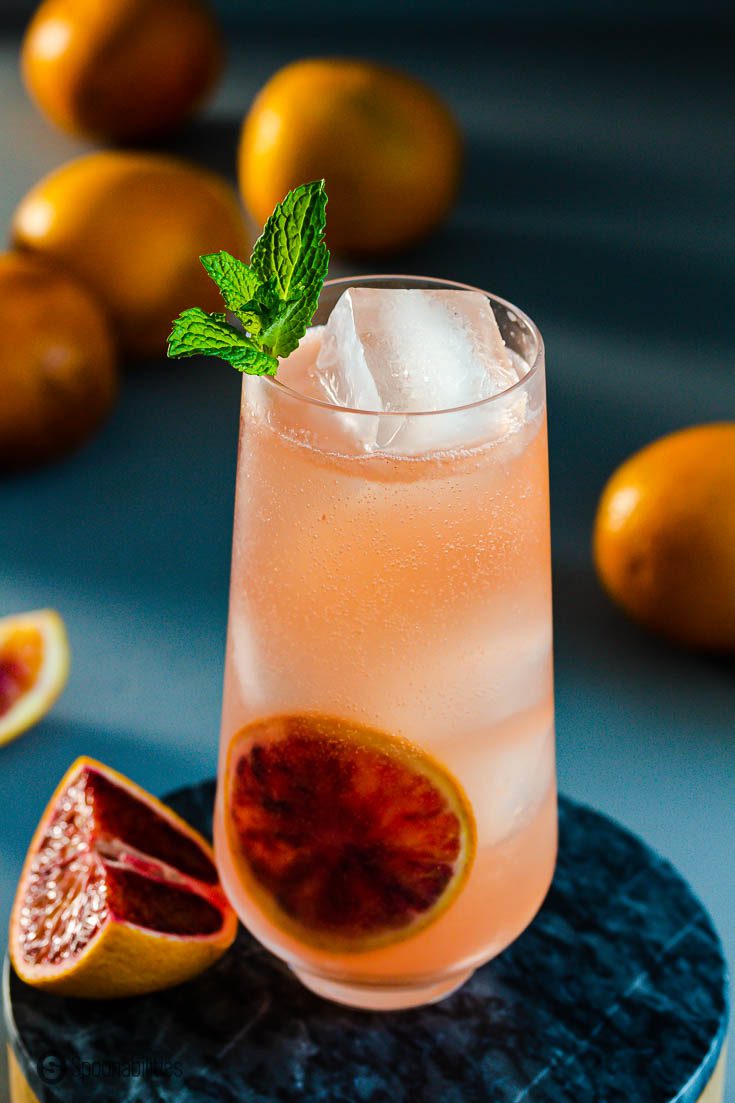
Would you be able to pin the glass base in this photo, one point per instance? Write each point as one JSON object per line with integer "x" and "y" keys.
{"x": 374, "y": 997}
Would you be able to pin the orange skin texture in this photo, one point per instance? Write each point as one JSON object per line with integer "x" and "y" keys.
{"x": 120, "y": 69}
{"x": 132, "y": 226}
{"x": 387, "y": 146}
{"x": 58, "y": 374}
{"x": 664, "y": 540}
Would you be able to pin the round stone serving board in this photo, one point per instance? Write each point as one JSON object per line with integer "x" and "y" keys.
{"x": 615, "y": 994}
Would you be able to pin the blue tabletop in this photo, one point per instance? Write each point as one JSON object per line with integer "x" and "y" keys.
{"x": 598, "y": 196}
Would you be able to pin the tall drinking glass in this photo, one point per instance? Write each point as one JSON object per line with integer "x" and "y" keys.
{"x": 386, "y": 807}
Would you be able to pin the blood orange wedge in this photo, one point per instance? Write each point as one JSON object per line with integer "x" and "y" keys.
{"x": 346, "y": 836}
{"x": 34, "y": 666}
{"x": 118, "y": 895}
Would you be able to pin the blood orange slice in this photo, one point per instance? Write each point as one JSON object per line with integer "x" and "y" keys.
{"x": 346, "y": 836}
{"x": 118, "y": 895}
{"x": 34, "y": 666}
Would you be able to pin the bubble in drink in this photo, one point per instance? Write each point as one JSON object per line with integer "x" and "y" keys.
{"x": 407, "y": 351}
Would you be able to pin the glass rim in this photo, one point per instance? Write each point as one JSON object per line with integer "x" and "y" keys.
{"x": 351, "y": 281}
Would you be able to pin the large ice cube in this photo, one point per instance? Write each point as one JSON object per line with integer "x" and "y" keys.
{"x": 409, "y": 350}
{"x": 403, "y": 351}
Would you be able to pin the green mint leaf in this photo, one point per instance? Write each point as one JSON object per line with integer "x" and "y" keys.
{"x": 196, "y": 333}
{"x": 274, "y": 298}
{"x": 259, "y": 312}
{"x": 286, "y": 330}
{"x": 291, "y": 249}
{"x": 252, "y": 361}
{"x": 236, "y": 281}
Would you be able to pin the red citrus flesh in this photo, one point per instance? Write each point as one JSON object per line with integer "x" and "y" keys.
{"x": 352, "y": 836}
{"x": 20, "y": 660}
{"x": 103, "y": 853}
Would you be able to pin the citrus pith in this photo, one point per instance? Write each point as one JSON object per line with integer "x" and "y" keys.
{"x": 346, "y": 836}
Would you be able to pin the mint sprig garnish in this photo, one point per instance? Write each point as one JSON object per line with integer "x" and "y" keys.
{"x": 274, "y": 297}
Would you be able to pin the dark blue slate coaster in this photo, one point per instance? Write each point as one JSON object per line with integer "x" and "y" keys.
{"x": 615, "y": 994}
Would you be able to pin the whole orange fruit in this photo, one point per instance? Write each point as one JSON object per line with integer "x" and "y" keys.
{"x": 58, "y": 378}
{"x": 664, "y": 541}
{"x": 120, "y": 69}
{"x": 387, "y": 146}
{"x": 132, "y": 226}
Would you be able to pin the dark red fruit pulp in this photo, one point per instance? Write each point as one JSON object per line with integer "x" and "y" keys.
{"x": 347, "y": 838}
{"x": 166, "y": 908}
{"x": 120, "y": 815}
{"x": 82, "y": 872}
{"x": 13, "y": 683}
{"x": 20, "y": 659}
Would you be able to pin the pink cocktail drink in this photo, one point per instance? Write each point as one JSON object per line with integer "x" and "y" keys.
{"x": 394, "y": 581}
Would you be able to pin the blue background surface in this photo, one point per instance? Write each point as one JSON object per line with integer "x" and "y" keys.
{"x": 599, "y": 197}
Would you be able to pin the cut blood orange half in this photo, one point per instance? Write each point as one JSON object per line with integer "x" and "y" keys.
{"x": 346, "y": 836}
{"x": 34, "y": 666}
{"x": 118, "y": 895}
